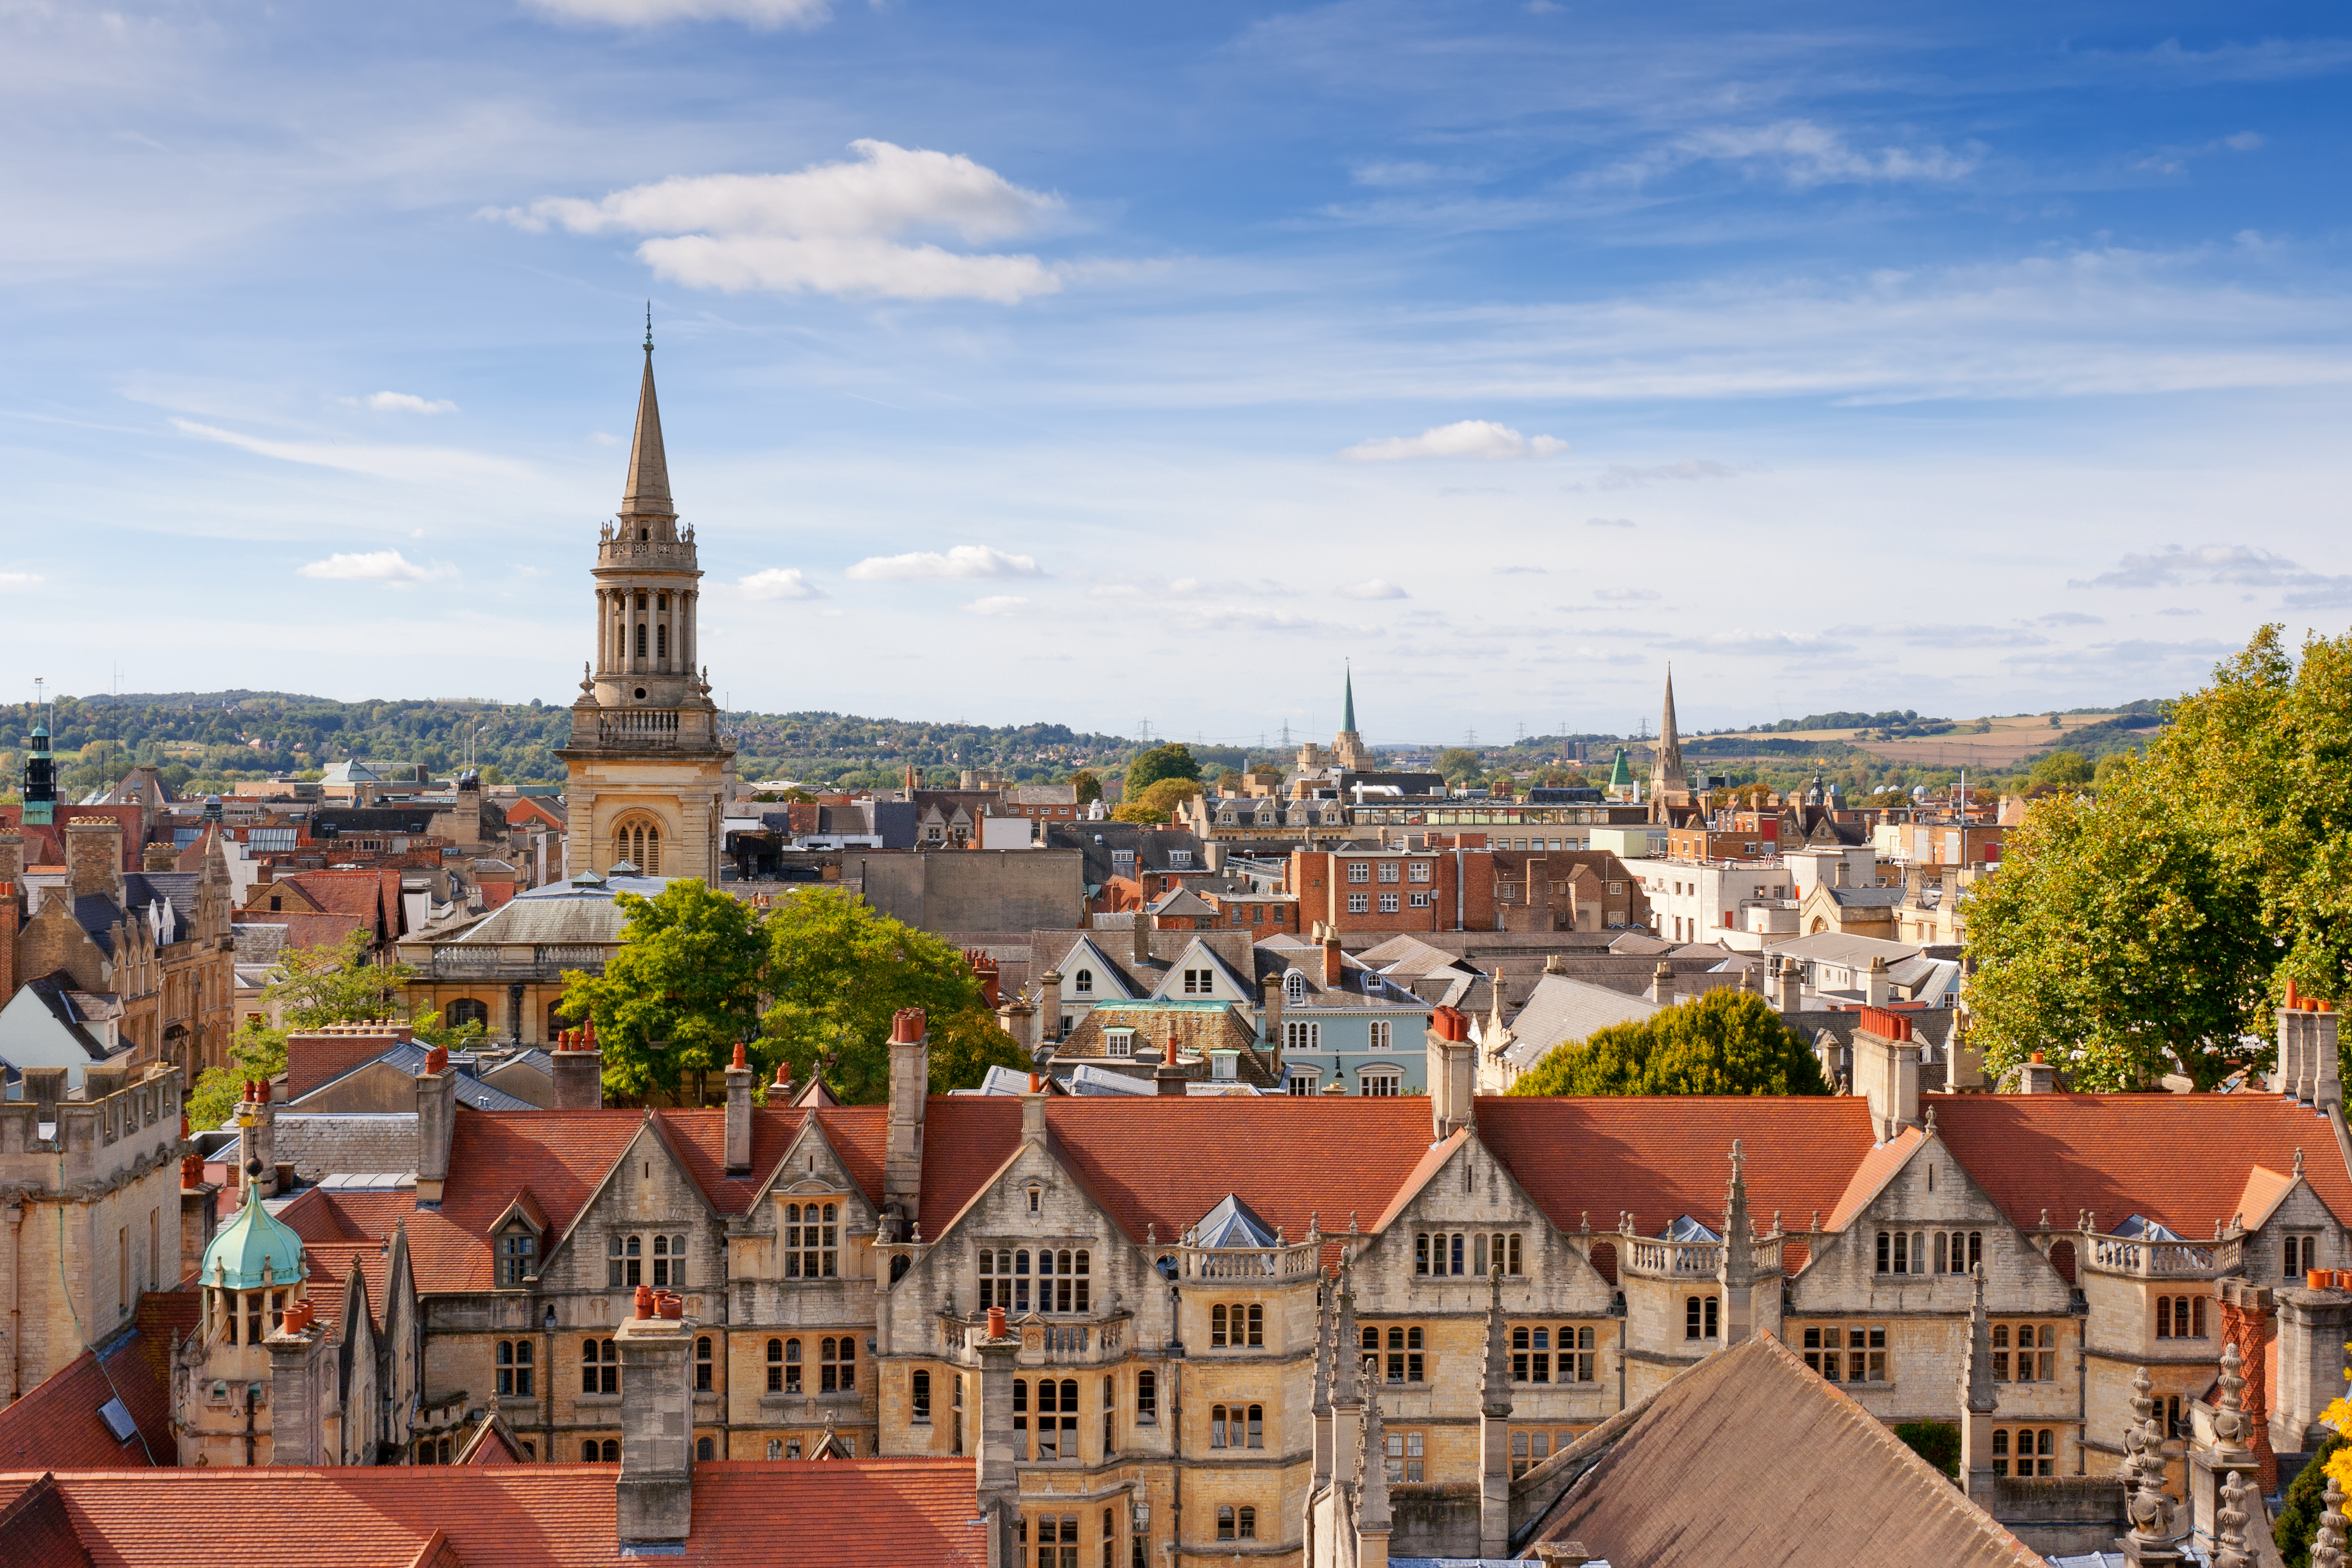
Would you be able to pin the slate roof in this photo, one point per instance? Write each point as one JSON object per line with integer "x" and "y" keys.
{"x": 409, "y": 1057}
{"x": 56, "y": 993}
{"x": 1748, "y": 1457}
{"x": 1560, "y": 1009}
{"x": 907, "y": 1513}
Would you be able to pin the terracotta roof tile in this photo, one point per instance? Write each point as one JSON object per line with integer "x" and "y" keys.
{"x": 2182, "y": 1160}
{"x": 1871, "y": 1176}
{"x": 1665, "y": 1158}
{"x": 891, "y": 1513}
{"x": 57, "y": 1422}
{"x": 39, "y": 1529}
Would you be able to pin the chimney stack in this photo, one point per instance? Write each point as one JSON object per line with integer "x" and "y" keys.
{"x": 1874, "y": 983}
{"x": 2037, "y": 1077}
{"x": 739, "y": 1113}
{"x": 94, "y": 857}
{"x": 1661, "y": 984}
{"x": 436, "y": 1124}
{"x": 1788, "y": 984}
{"x": 1453, "y": 1071}
{"x": 999, "y": 1483}
{"x": 1334, "y": 958}
{"x": 654, "y": 1502}
{"x": 910, "y": 1089}
{"x": 1140, "y": 933}
{"x": 1887, "y": 1069}
{"x": 578, "y": 1070}
{"x": 1270, "y": 995}
{"x": 1049, "y": 1005}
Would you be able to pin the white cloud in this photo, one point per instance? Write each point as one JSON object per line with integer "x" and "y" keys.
{"x": 2240, "y": 566}
{"x": 1802, "y": 153}
{"x": 1625, "y": 595}
{"x": 388, "y": 567}
{"x": 1607, "y": 522}
{"x": 1482, "y": 438}
{"x": 1378, "y": 587}
{"x": 423, "y": 463}
{"x": 962, "y": 563}
{"x": 831, "y": 228}
{"x": 1005, "y": 604}
{"x": 18, "y": 579}
{"x": 762, "y": 14}
{"x": 780, "y": 583}
{"x": 402, "y": 403}
{"x": 1519, "y": 571}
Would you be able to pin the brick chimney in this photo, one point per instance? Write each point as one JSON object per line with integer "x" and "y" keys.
{"x": 9, "y": 918}
{"x": 1887, "y": 1069}
{"x": 12, "y": 857}
{"x": 910, "y": 1089}
{"x": 1270, "y": 995}
{"x": 2246, "y": 1324}
{"x": 436, "y": 1124}
{"x": 739, "y": 1113}
{"x": 654, "y": 1499}
{"x": 94, "y": 857}
{"x": 1334, "y": 965}
{"x": 579, "y": 1070}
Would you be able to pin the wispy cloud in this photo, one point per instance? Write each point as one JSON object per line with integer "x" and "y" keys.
{"x": 962, "y": 563}
{"x": 1378, "y": 587}
{"x": 388, "y": 567}
{"x": 780, "y": 583}
{"x": 1479, "y": 438}
{"x": 2241, "y": 566}
{"x": 1001, "y": 604}
{"x": 18, "y": 579}
{"x": 1801, "y": 153}
{"x": 1519, "y": 572}
{"x": 402, "y": 402}
{"x": 833, "y": 228}
{"x": 427, "y": 464}
{"x": 1607, "y": 522}
{"x": 762, "y": 14}
{"x": 1627, "y": 476}
{"x": 1625, "y": 595}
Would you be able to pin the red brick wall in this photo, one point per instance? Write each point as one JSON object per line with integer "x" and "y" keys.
{"x": 313, "y": 1059}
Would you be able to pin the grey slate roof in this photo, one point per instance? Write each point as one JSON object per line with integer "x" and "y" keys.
{"x": 1562, "y": 1009}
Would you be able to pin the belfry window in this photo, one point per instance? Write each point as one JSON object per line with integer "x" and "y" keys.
{"x": 661, "y": 640}
{"x": 641, "y": 639}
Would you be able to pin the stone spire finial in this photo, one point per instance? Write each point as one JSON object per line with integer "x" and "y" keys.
{"x": 1977, "y": 1393}
{"x": 2298, "y": 1163}
{"x": 647, "y": 490}
{"x": 2145, "y": 1502}
{"x": 1738, "y": 1267}
{"x": 2230, "y": 1524}
{"x": 1323, "y": 1331}
{"x": 1372, "y": 1516}
{"x": 1495, "y": 1396}
{"x": 2230, "y": 1418}
{"x": 2328, "y": 1548}
{"x": 1347, "y": 1375}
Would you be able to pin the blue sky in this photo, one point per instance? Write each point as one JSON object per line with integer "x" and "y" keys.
{"x": 1098, "y": 364}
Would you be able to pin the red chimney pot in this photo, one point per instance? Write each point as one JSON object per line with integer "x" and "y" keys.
{"x": 739, "y": 1061}
{"x": 996, "y": 1322}
{"x": 906, "y": 1026}
{"x": 644, "y": 1305}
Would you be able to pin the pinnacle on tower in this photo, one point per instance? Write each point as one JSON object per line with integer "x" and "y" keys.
{"x": 646, "y": 493}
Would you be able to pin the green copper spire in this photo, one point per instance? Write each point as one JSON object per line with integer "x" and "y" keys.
{"x": 1348, "y": 713}
{"x": 1620, "y": 777}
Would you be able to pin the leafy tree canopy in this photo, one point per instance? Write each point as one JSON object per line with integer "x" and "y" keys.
{"x": 838, "y": 971}
{"x": 1725, "y": 1042}
{"x": 681, "y": 991}
{"x": 1172, "y": 760}
{"x": 2063, "y": 768}
{"x": 2148, "y": 932}
{"x": 1088, "y": 787}
{"x": 1458, "y": 762}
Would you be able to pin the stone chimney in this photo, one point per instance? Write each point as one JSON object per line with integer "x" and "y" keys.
{"x": 10, "y": 918}
{"x": 158, "y": 857}
{"x": 910, "y": 1091}
{"x": 1788, "y": 984}
{"x": 654, "y": 1501}
{"x": 1270, "y": 994}
{"x": 1049, "y": 1005}
{"x": 2307, "y": 1067}
{"x": 1138, "y": 947}
{"x": 1032, "y": 1113}
{"x": 999, "y": 1485}
{"x": 12, "y": 857}
{"x": 579, "y": 1070}
{"x": 2037, "y": 1077}
{"x": 1494, "y": 1430}
{"x": 1887, "y": 1069}
{"x": 1334, "y": 961}
{"x": 739, "y": 1113}
{"x": 2313, "y": 1326}
{"x": 94, "y": 857}
{"x": 303, "y": 1386}
{"x": 1453, "y": 1070}
{"x": 1874, "y": 983}
{"x": 1661, "y": 984}
{"x": 436, "y": 1124}
{"x": 1168, "y": 1078}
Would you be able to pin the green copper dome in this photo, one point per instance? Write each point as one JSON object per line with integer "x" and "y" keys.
{"x": 251, "y": 1246}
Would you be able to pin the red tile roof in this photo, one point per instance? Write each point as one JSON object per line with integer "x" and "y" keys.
{"x": 888, "y": 1513}
{"x": 39, "y": 1530}
{"x": 1662, "y": 1158}
{"x": 1870, "y": 1177}
{"x": 2181, "y": 1160}
{"x": 56, "y": 1421}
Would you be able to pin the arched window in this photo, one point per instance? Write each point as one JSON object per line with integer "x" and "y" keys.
{"x": 1224, "y": 1521}
{"x": 1294, "y": 989}
{"x": 641, "y": 639}
{"x": 612, "y": 1451}
{"x": 556, "y": 1023}
{"x": 702, "y": 1364}
{"x": 465, "y": 1010}
{"x": 836, "y": 1364}
{"x": 588, "y": 1452}
{"x": 1083, "y": 983}
{"x": 661, "y": 641}
{"x": 1248, "y": 1526}
{"x": 702, "y": 1449}
{"x": 639, "y": 842}
{"x": 1217, "y": 1427}
{"x": 1256, "y": 1424}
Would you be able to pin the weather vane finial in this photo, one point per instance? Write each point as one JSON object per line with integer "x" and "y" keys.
{"x": 649, "y": 326}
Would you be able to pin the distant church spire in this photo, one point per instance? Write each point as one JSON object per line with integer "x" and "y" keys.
{"x": 647, "y": 494}
{"x": 1667, "y": 771}
{"x": 1348, "y": 711}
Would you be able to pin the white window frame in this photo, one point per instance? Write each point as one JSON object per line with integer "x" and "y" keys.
{"x": 1420, "y": 871}
{"x": 1421, "y": 901}
{"x": 1390, "y": 870}
{"x": 1118, "y": 1042}
{"x": 1382, "y": 1032}
{"x": 1360, "y": 871}
{"x": 1302, "y": 1034}
{"x": 1359, "y": 903}
{"x": 1082, "y": 984}
{"x": 1306, "y": 1081}
{"x": 1388, "y": 904}
{"x": 1380, "y": 1085}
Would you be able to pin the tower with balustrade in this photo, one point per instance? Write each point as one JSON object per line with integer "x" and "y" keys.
{"x": 646, "y": 767}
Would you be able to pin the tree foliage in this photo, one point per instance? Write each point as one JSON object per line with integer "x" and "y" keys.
{"x": 309, "y": 988}
{"x": 1172, "y": 760}
{"x": 1459, "y": 762}
{"x": 681, "y": 991}
{"x": 1725, "y": 1042}
{"x": 1938, "y": 1442}
{"x": 1088, "y": 788}
{"x": 2299, "y": 1510}
{"x": 2149, "y": 931}
{"x": 837, "y": 971}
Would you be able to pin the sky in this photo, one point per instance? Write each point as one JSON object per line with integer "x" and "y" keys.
{"x": 1115, "y": 365}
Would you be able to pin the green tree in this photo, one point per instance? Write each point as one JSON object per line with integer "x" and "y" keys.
{"x": 681, "y": 991}
{"x": 838, "y": 971}
{"x": 1088, "y": 787}
{"x": 1938, "y": 1442}
{"x": 2063, "y": 769}
{"x": 1724, "y": 1042}
{"x": 2299, "y": 1510}
{"x": 1458, "y": 763}
{"x": 2109, "y": 767}
{"x": 1172, "y": 760}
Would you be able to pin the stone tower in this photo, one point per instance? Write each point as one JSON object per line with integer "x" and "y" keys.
{"x": 1348, "y": 746}
{"x": 645, "y": 768}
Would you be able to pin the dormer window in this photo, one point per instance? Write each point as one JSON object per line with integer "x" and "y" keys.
{"x": 1180, "y": 860}
{"x": 1118, "y": 1042}
{"x": 1294, "y": 987}
{"x": 518, "y": 1256}
{"x": 1083, "y": 983}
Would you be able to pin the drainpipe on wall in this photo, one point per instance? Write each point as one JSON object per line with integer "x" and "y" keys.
{"x": 16, "y": 1305}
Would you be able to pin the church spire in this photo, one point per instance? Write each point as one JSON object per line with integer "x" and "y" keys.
{"x": 1347, "y": 710}
{"x": 1667, "y": 767}
{"x": 647, "y": 494}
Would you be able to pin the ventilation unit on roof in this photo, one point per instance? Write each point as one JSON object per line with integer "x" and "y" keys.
{"x": 117, "y": 1416}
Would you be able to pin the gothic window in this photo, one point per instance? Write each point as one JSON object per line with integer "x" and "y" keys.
{"x": 836, "y": 1367}
{"x": 623, "y": 1261}
{"x": 600, "y": 1367}
{"x": 1147, "y": 1396}
{"x": 670, "y": 1261}
{"x": 702, "y": 1366}
{"x": 811, "y": 1240}
{"x": 921, "y": 1387}
{"x": 640, "y": 842}
{"x": 514, "y": 1368}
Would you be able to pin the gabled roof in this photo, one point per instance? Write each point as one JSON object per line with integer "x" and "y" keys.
{"x": 1233, "y": 1223}
{"x": 2182, "y": 1160}
{"x": 1870, "y": 1177}
{"x": 1749, "y": 1458}
{"x": 1560, "y": 1009}
{"x": 2266, "y": 1189}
